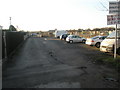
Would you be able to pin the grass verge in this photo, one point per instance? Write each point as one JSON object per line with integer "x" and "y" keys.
{"x": 107, "y": 59}
{"x": 104, "y": 58}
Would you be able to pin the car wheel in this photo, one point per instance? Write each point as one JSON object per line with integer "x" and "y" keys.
{"x": 97, "y": 45}
{"x": 71, "y": 41}
{"x": 83, "y": 41}
{"x": 118, "y": 51}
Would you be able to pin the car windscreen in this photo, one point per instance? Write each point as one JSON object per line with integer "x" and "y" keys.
{"x": 112, "y": 35}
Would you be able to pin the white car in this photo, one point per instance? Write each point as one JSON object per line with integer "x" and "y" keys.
{"x": 60, "y": 32}
{"x": 75, "y": 38}
{"x": 96, "y": 41}
{"x": 107, "y": 45}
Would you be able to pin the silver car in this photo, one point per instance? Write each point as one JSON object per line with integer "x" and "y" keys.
{"x": 96, "y": 41}
{"x": 75, "y": 38}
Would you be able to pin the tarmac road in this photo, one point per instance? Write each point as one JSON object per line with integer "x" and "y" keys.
{"x": 52, "y": 63}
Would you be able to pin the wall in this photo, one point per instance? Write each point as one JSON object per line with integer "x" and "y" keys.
{"x": 0, "y": 45}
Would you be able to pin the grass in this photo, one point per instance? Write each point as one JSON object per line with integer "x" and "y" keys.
{"x": 107, "y": 59}
{"x": 104, "y": 58}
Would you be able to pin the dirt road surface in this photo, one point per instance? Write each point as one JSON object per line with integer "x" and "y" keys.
{"x": 52, "y": 63}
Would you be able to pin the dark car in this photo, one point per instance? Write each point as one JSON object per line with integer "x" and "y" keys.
{"x": 64, "y": 36}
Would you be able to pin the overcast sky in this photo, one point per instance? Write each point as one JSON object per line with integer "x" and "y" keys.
{"x": 51, "y": 14}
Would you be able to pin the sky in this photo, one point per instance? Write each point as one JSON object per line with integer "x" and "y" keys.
{"x": 44, "y": 15}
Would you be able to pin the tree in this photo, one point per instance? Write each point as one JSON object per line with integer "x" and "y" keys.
{"x": 12, "y": 28}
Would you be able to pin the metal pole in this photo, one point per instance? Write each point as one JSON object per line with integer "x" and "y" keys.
{"x": 115, "y": 47}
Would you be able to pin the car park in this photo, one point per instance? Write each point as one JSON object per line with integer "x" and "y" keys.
{"x": 95, "y": 41}
{"x": 107, "y": 45}
{"x": 75, "y": 38}
{"x": 64, "y": 36}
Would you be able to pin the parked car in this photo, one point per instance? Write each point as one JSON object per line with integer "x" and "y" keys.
{"x": 60, "y": 32}
{"x": 75, "y": 38}
{"x": 96, "y": 41}
{"x": 107, "y": 45}
{"x": 64, "y": 36}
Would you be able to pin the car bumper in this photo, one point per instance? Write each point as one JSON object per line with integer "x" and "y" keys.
{"x": 90, "y": 43}
{"x": 107, "y": 49}
{"x": 67, "y": 40}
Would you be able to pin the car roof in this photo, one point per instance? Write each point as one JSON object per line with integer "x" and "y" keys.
{"x": 73, "y": 35}
{"x": 65, "y": 34}
{"x": 99, "y": 36}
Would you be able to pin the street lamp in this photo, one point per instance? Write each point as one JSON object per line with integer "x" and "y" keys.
{"x": 10, "y": 20}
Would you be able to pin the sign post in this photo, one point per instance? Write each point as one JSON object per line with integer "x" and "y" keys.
{"x": 115, "y": 48}
{"x": 114, "y": 19}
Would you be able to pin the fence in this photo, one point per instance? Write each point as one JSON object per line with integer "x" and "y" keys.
{"x": 10, "y": 41}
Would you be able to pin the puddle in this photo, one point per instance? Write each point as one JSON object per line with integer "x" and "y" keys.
{"x": 111, "y": 79}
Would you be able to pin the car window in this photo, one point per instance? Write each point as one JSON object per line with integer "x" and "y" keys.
{"x": 112, "y": 35}
{"x": 96, "y": 37}
{"x": 102, "y": 37}
{"x": 75, "y": 36}
{"x": 63, "y": 35}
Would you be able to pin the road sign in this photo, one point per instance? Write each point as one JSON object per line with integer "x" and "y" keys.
{"x": 114, "y": 7}
{"x": 113, "y": 19}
